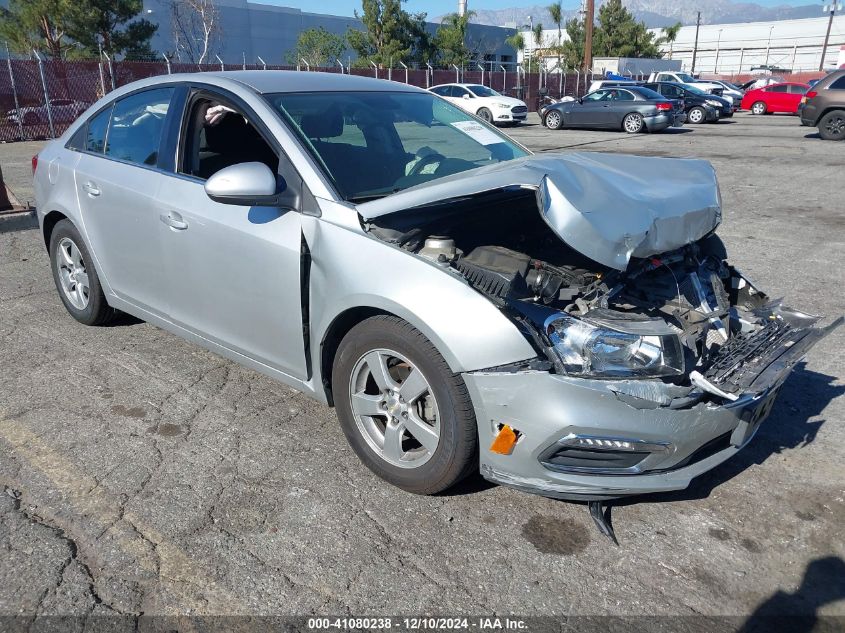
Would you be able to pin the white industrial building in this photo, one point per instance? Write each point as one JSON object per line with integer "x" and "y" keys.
{"x": 732, "y": 49}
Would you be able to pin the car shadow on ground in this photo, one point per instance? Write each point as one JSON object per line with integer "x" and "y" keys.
{"x": 804, "y": 395}
{"x": 676, "y": 130}
{"x": 812, "y": 135}
{"x": 823, "y": 583}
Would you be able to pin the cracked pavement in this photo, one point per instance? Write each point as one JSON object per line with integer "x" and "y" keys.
{"x": 144, "y": 475}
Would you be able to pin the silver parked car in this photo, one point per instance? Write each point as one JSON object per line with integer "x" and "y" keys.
{"x": 551, "y": 320}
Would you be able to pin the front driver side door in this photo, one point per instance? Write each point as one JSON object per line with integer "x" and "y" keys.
{"x": 590, "y": 111}
{"x": 233, "y": 271}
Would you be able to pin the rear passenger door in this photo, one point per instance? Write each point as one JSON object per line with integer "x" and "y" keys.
{"x": 794, "y": 93}
{"x": 777, "y": 99}
{"x": 117, "y": 180}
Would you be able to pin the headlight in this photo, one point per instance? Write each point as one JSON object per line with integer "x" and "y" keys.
{"x": 503, "y": 105}
{"x": 714, "y": 103}
{"x": 602, "y": 352}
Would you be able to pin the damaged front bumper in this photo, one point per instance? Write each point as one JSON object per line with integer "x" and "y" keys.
{"x": 590, "y": 439}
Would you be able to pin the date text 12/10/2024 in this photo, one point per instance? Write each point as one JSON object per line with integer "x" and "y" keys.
{"x": 417, "y": 624}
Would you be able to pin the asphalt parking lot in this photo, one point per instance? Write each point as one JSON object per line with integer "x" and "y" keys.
{"x": 142, "y": 474}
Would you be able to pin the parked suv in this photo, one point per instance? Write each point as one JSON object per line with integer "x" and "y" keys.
{"x": 824, "y": 107}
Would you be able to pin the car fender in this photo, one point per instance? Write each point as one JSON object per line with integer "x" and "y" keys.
{"x": 350, "y": 269}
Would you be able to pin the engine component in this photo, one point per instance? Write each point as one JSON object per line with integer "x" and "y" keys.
{"x": 496, "y": 270}
{"x": 437, "y": 245}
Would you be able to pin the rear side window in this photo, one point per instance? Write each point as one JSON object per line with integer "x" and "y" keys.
{"x": 797, "y": 90}
{"x": 95, "y": 138}
{"x": 839, "y": 84}
{"x": 137, "y": 125}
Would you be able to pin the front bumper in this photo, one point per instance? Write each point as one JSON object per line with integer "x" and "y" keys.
{"x": 547, "y": 409}
{"x": 511, "y": 117}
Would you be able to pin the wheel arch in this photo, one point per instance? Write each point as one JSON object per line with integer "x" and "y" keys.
{"x": 828, "y": 110}
{"x": 49, "y": 223}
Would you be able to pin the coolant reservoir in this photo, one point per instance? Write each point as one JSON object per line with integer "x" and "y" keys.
{"x": 436, "y": 245}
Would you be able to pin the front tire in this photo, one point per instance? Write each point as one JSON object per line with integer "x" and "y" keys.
{"x": 758, "y": 108}
{"x": 485, "y": 115}
{"x": 832, "y": 126}
{"x": 406, "y": 415}
{"x": 696, "y": 115}
{"x": 75, "y": 277}
{"x": 553, "y": 120}
{"x": 633, "y": 123}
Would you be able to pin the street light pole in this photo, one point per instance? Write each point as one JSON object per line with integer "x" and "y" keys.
{"x": 769, "y": 45}
{"x": 695, "y": 46}
{"x": 589, "y": 16}
{"x": 718, "y": 41}
{"x": 832, "y": 7}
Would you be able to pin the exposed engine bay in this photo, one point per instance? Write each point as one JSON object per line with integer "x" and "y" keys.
{"x": 684, "y": 317}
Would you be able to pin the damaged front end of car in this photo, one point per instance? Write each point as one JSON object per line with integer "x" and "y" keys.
{"x": 656, "y": 359}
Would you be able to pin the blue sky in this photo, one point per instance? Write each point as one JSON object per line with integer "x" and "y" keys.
{"x": 439, "y": 7}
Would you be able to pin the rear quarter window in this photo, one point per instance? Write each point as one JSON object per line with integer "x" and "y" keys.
{"x": 839, "y": 84}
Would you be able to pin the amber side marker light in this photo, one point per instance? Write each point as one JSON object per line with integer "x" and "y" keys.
{"x": 504, "y": 441}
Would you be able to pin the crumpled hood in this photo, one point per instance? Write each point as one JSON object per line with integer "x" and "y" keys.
{"x": 609, "y": 207}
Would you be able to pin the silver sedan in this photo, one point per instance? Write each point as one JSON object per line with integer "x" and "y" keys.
{"x": 566, "y": 324}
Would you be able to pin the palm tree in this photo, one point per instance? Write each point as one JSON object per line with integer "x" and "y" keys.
{"x": 556, "y": 11}
{"x": 670, "y": 34}
{"x": 538, "y": 39}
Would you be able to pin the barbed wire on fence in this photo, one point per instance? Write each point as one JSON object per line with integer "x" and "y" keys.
{"x": 40, "y": 98}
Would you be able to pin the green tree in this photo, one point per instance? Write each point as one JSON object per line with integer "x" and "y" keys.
{"x": 556, "y": 11}
{"x": 670, "y": 34}
{"x": 618, "y": 34}
{"x": 39, "y": 25}
{"x": 318, "y": 47}
{"x": 391, "y": 34}
{"x": 573, "y": 47}
{"x": 115, "y": 23}
{"x": 450, "y": 41}
{"x": 517, "y": 42}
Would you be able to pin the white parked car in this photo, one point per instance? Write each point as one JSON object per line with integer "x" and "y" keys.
{"x": 483, "y": 102}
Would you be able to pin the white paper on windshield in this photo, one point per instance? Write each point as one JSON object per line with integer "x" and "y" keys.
{"x": 477, "y": 132}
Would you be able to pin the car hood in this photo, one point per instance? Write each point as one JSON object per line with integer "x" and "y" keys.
{"x": 503, "y": 99}
{"x": 609, "y": 207}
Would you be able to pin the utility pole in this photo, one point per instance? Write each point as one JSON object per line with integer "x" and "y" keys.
{"x": 832, "y": 7}
{"x": 589, "y": 16}
{"x": 695, "y": 46}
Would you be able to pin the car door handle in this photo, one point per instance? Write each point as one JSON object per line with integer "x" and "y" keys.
{"x": 91, "y": 189}
{"x": 174, "y": 221}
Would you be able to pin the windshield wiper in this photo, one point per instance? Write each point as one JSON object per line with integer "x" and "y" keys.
{"x": 366, "y": 198}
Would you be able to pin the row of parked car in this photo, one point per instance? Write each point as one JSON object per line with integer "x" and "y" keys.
{"x": 665, "y": 100}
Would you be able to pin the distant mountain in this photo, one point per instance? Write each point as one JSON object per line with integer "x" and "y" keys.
{"x": 656, "y": 13}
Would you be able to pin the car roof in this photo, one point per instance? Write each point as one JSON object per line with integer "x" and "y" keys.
{"x": 270, "y": 81}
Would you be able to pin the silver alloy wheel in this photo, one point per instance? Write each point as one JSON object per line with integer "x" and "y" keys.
{"x": 486, "y": 115}
{"x": 633, "y": 123}
{"x": 394, "y": 408}
{"x": 72, "y": 274}
{"x": 758, "y": 108}
{"x": 553, "y": 120}
{"x": 696, "y": 115}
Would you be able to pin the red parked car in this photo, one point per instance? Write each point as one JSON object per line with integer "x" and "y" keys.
{"x": 783, "y": 97}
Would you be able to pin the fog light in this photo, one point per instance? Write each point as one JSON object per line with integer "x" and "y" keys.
{"x": 590, "y": 454}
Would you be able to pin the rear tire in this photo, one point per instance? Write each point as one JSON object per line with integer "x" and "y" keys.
{"x": 73, "y": 268}
{"x": 832, "y": 126}
{"x": 448, "y": 450}
{"x": 633, "y": 123}
{"x": 759, "y": 107}
{"x": 696, "y": 115}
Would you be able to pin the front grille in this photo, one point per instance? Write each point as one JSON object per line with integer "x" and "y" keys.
{"x": 519, "y": 109}
{"x": 746, "y": 355}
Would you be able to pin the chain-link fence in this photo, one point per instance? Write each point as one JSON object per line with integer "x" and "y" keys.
{"x": 40, "y": 99}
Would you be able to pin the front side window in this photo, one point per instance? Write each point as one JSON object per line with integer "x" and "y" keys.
{"x": 780, "y": 88}
{"x": 372, "y": 144}
{"x": 598, "y": 95}
{"x": 136, "y": 126}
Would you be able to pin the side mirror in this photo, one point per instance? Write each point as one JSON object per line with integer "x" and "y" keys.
{"x": 466, "y": 96}
{"x": 245, "y": 184}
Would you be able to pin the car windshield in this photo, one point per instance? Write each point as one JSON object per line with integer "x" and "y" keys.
{"x": 695, "y": 91}
{"x": 372, "y": 144}
{"x": 483, "y": 91}
{"x": 648, "y": 93}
